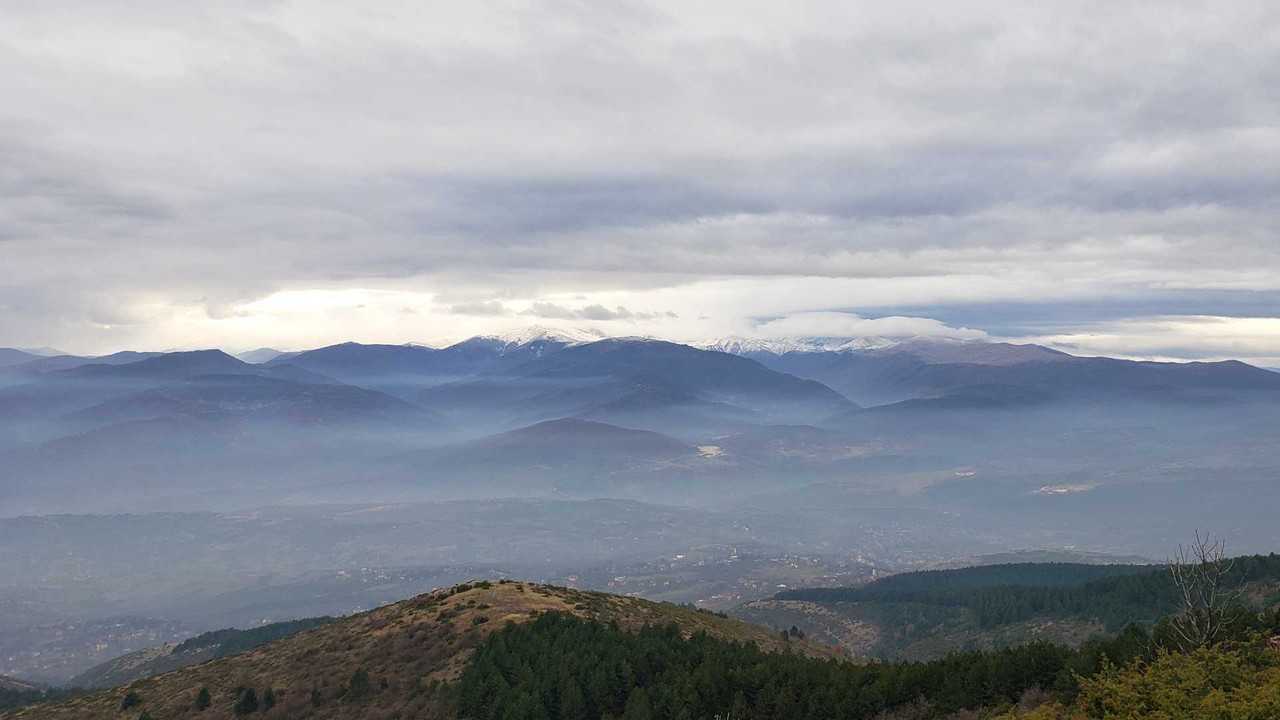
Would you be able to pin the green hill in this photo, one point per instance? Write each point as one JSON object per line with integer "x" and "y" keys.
{"x": 924, "y": 615}
{"x": 520, "y": 651}
{"x": 400, "y": 660}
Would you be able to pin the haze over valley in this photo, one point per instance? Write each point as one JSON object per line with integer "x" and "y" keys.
{"x": 641, "y": 360}
{"x": 142, "y": 488}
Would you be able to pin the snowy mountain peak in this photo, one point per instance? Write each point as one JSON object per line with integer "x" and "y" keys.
{"x": 537, "y": 333}
{"x": 932, "y": 350}
{"x": 739, "y": 345}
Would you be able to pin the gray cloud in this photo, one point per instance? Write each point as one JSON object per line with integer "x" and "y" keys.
{"x": 162, "y": 164}
{"x": 552, "y": 311}
{"x": 482, "y": 308}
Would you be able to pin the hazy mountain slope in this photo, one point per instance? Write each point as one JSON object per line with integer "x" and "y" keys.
{"x": 865, "y": 379}
{"x": 877, "y": 371}
{"x": 14, "y": 684}
{"x": 353, "y": 361}
{"x": 929, "y": 350}
{"x": 387, "y": 363}
{"x": 568, "y": 455}
{"x": 262, "y": 355}
{"x": 202, "y": 448}
{"x": 123, "y": 462}
{"x": 683, "y": 367}
{"x": 557, "y": 440}
{"x": 405, "y": 370}
{"x": 67, "y": 362}
{"x": 257, "y": 398}
{"x": 36, "y": 408}
{"x": 1104, "y": 377}
{"x": 404, "y": 650}
{"x": 939, "y": 352}
{"x": 10, "y": 357}
{"x": 922, "y": 615}
{"x": 15, "y": 693}
{"x": 193, "y": 651}
{"x": 928, "y": 369}
{"x": 161, "y": 427}
{"x": 634, "y": 382}
{"x": 660, "y": 407}
{"x": 169, "y": 366}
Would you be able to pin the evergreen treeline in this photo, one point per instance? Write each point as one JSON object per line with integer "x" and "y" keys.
{"x": 12, "y": 698}
{"x": 1008, "y": 574}
{"x": 563, "y": 668}
{"x": 1122, "y": 595}
{"x": 232, "y": 641}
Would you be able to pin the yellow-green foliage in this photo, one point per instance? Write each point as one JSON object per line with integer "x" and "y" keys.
{"x": 1208, "y": 684}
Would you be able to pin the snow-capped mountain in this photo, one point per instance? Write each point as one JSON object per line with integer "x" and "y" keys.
{"x": 537, "y": 333}
{"x": 926, "y": 349}
{"x": 738, "y": 345}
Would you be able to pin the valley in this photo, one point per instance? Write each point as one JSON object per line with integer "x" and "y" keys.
{"x": 230, "y": 494}
{"x": 639, "y": 361}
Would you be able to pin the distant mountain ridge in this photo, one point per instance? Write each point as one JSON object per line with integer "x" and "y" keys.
{"x": 261, "y": 355}
{"x": 569, "y": 456}
{"x": 927, "y": 349}
{"x": 882, "y": 371}
{"x": 641, "y": 383}
{"x": 254, "y": 396}
{"x": 342, "y": 418}
{"x": 420, "y": 365}
{"x": 16, "y": 685}
{"x": 67, "y": 362}
{"x": 10, "y": 357}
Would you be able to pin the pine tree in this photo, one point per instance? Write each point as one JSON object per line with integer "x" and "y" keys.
{"x": 572, "y": 704}
{"x": 359, "y": 687}
{"x": 246, "y": 702}
{"x": 638, "y": 706}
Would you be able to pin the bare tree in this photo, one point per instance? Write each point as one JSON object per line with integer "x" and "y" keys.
{"x": 1200, "y": 573}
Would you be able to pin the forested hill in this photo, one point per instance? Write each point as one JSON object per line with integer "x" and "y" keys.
{"x": 997, "y": 595}
{"x": 522, "y": 651}
{"x": 401, "y": 660}
{"x": 1052, "y": 574}
{"x": 564, "y": 668}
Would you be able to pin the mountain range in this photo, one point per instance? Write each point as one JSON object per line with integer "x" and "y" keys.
{"x": 549, "y": 412}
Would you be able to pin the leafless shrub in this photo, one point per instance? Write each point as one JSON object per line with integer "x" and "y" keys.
{"x": 1200, "y": 573}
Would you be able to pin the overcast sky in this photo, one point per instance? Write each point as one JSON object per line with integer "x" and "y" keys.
{"x": 1101, "y": 176}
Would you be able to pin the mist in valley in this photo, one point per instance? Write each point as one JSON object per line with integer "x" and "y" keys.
{"x": 148, "y": 498}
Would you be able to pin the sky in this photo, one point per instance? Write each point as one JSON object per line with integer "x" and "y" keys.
{"x": 1102, "y": 177}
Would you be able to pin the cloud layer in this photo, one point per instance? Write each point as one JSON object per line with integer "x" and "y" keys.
{"x": 295, "y": 173}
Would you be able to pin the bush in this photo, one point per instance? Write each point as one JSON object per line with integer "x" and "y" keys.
{"x": 359, "y": 687}
{"x": 246, "y": 702}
